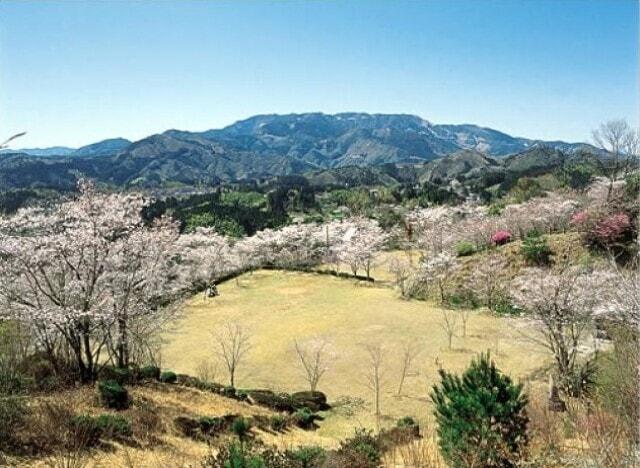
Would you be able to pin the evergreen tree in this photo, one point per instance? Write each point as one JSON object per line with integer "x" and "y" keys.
{"x": 481, "y": 416}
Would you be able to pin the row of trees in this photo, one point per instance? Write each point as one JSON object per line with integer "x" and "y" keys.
{"x": 92, "y": 280}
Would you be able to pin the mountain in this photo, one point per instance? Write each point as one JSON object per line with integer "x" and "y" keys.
{"x": 52, "y": 151}
{"x": 103, "y": 148}
{"x": 272, "y": 145}
{"x": 462, "y": 165}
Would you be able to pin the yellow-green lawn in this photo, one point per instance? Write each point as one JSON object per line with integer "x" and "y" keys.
{"x": 278, "y": 307}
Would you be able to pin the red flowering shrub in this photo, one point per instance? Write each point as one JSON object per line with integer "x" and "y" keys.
{"x": 610, "y": 230}
{"x": 580, "y": 218}
{"x": 500, "y": 237}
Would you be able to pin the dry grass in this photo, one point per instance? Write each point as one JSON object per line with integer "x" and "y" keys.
{"x": 280, "y": 306}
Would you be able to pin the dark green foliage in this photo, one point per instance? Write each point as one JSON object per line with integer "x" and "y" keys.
{"x": 577, "y": 176}
{"x": 149, "y": 373}
{"x": 308, "y": 456}
{"x": 168, "y": 377}
{"x": 122, "y": 375}
{"x": 235, "y": 455}
{"x": 361, "y": 451}
{"x": 278, "y": 423}
{"x": 581, "y": 383}
{"x": 632, "y": 187}
{"x": 502, "y": 305}
{"x": 464, "y": 249}
{"x": 233, "y": 213}
{"x": 305, "y": 418}
{"x": 525, "y": 189}
{"x": 407, "y": 421}
{"x": 241, "y": 427}
{"x": 113, "y": 395}
{"x": 463, "y": 298}
{"x": 434, "y": 194}
{"x": 496, "y": 209}
{"x": 481, "y": 416}
{"x": 13, "y": 412}
{"x": 105, "y": 426}
{"x": 228, "y": 392}
{"x": 535, "y": 249}
{"x": 210, "y": 424}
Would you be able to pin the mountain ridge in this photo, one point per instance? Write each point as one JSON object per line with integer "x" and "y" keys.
{"x": 270, "y": 145}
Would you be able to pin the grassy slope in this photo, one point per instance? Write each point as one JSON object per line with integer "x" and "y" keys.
{"x": 280, "y": 306}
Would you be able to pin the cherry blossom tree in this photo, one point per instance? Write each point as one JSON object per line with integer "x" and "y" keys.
{"x": 362, "y": 240}
{"x": 439, "y": 270}
{"x": 562, "y": 306}
{"x": 487, "y": 282}
{"x": 85, "y": 271}
{"x": 206, "y": 256}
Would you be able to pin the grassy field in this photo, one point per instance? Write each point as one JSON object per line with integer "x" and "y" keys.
{"x": 278, "y": 307}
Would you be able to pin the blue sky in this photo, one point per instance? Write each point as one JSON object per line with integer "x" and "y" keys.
{"x": 73, "y": 73}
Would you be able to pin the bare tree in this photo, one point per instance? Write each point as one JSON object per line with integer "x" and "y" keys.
{"x": 6, "y": 142}
{"x": 464, "y": 316}
{"x": 621, "y": 143}
{"x": 314, "y": 358}
{"x": 410, "y": 350}
{"x": 233, "y": 343}
{"x": 375, "y": 353}
{"x": 207, "y": 371}
{"x": 448, "y": 324}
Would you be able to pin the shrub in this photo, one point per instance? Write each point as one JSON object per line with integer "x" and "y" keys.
{"x": 149, "y": 372}
{"x": 465, "y": 248}
{"x": 113, "y": 395}
{"x": 210, "y": 424}
{"x": 308, "y": 456}
{"x": 481, "y": 416}
{"x": 105, "y": 426}
{"x": 501, "y": 237}
{"x": 535, "y": 249}
{"x": 610, "y": 230}
{"x": 234, "y": 455}
{"x": 463, "y": 298}
{"x": 13, "y": 413}
{"x": 502, "y": 305}
{"x": 122, "y": 375}
{"x": 582, "y": 380}
{"x": 304, "y": 418}
{"x": 407, "y": 421}
{"x": 362, "y": 450}
{"x": 632, "y": 187}
{"x": 579, "y": 219}
{"x": 241, "y": 427}
{"x": 168, "y": 377}
{"x": 278, "y": 423}
{"x": 496, "y": 209}
{"x": 228, "y": 392}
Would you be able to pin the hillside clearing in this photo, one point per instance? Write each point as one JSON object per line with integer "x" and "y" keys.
{"x": 278, "y": 307}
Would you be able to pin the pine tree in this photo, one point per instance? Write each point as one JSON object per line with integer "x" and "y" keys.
{"x": 481, "y": 416}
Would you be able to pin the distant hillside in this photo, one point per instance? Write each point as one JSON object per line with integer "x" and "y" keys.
{"x": 273, "y": 145}
{"x": 103, "y": 148}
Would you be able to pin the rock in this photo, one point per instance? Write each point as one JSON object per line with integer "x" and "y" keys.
{"x": 189, "y": 427}
{"x": 315, "y": 401}
{"x": 270, "y": 400}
